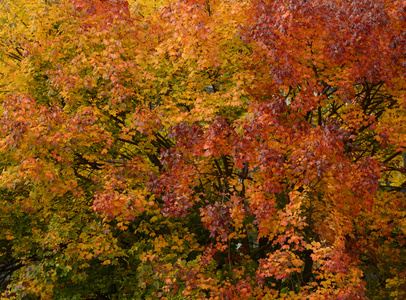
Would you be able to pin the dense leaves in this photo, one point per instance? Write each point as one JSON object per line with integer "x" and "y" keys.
{"x": 202, "y": 149}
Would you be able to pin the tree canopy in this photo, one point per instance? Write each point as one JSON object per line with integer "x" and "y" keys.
{"x": 203, "y": 149}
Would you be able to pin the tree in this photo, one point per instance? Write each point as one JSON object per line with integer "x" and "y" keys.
{"x": 203, "y": 149}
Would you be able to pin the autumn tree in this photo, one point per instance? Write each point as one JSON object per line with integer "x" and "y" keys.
{"x": 203, "y": 149}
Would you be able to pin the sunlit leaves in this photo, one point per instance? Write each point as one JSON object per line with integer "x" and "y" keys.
{"x": 203, "y": 149}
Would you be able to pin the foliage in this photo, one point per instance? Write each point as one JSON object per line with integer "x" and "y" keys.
{"x": 202, "y": 149}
